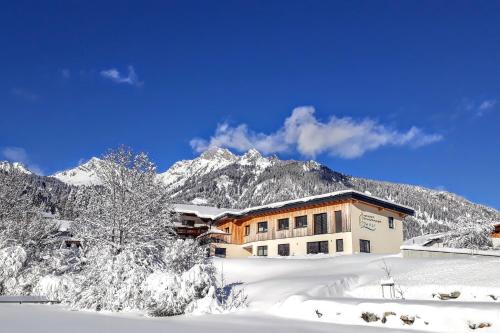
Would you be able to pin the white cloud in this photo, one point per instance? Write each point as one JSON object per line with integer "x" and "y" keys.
{"x": 17, "y": 154}
{"x": 486, "y": 106}
{"x": 478, "y": 107}
{"x": 304, "y": 133}
{"x": 114, "y": 75}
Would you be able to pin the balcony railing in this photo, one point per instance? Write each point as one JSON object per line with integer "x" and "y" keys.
{"x": 286, "y": 233}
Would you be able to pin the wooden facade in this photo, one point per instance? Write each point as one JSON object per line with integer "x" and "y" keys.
{"x": 237, "y": 227}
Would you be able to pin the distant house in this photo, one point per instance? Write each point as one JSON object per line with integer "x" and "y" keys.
{"x": 343, "y": 222}
{"x": 63, "y": 237}
{"x": 495, "y": 236}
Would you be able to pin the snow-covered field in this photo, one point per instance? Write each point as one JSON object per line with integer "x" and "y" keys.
{"x": 315, "y": 294}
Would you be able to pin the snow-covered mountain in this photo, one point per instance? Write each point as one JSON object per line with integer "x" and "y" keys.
{"x": 84, "y": 174}
{"x": 220, "y": 178}
{"x": 8, "y": 166}
{"x": 211, "y": 161}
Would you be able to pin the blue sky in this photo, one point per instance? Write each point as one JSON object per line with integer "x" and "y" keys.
{"x": 401, "y": 91}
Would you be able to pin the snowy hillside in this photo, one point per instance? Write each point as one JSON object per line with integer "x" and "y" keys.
{"x": 84, "y": 174}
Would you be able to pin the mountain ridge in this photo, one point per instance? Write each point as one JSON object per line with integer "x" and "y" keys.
{"x": 220, "y": 178}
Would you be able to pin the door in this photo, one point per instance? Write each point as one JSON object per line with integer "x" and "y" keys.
{"x": 320, "y": 224}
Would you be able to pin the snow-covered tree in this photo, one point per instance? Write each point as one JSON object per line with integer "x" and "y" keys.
{"x": 25, "y": 235}
{"x": 133, "y": 261}
{"x": 129, "y": 208}
{"x": 21, "y": 221}
{"x": 470, "y": 234}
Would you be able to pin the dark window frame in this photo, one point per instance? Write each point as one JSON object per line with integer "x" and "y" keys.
{"x": 247, "y": 230}
{"x": 287, "y": 223}
{"x": 298, "y": 218}
{"x": 220, "y": 252}
{"x": 188, "y": 223}
{"x": 284, "y": 250}
{"x": 390, "y": 221}
{"x": 263, "y": 249}
{"x": 262, "y": 231}
{"x": 226, "y": 230}
{"x": 317, "y": 247}
{"x": 338, "y": 221}
{"x": 320, "y": 220}
{"x": 364, "y": 248}
{"x": 339, "y": 245}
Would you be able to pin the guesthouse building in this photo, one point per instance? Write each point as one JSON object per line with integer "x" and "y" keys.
{"x": 342, "y": 222}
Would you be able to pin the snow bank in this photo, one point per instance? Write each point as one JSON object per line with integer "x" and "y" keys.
{"x": 447, "y": 317}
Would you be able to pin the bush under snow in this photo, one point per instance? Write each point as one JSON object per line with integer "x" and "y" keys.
{"x": 470, "y": 235}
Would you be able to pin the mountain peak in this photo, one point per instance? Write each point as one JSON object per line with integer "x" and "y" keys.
{"x": 8, "y": 166}
{"x": 84, "y": 174}
{"x": 217, "y": 153}
{"x": 252, "y": 153}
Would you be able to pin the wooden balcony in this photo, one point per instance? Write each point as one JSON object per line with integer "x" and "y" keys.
{"x": 280, "y": 234}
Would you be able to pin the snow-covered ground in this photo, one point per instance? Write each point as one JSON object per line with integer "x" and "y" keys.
{"x": 314, "y": 294}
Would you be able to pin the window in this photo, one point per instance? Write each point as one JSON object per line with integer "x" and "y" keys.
{"x": 301, "y": 221}
{"x": 226, "y": 230}
{"x": 339, "y": 244}
{"x": 262, "y": 227}
{"x": 220, "y": 252}
{"x": 317, "y": 247}
{"x": 247, "y": 230}
{"x": 338, "y": 221}
{"x": 283, "y": 224}
{"x": 262, "y": 251}
{"x": 320, "y": 224}
{"x": 188, "y": 223}
{"x": 364, "y": 246}
{"x": 391, "y": 222}
{"x": 283, "y": 249}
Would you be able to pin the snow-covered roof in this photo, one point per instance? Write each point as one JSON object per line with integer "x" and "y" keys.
{"x": 213, "y": 232}
{"x": 217, "y": 213}
{"x": 206, "y": 212}
{"x": 327, "y": 197}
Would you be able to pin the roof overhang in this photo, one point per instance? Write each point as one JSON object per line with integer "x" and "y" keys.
{"x": 319, "y": 200}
